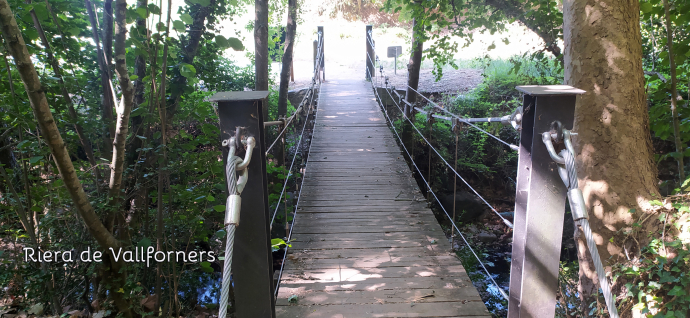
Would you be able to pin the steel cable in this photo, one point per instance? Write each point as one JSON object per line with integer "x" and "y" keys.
{"x": 572, "y": 184}
{"x": 231, "y": 175}
{"x": 511, "y": 146}
{"x": 299, "y": 196}
{"x": 505, "y": 221}
{"x": 439, "y": 202}
{"x": 287, "y": 178}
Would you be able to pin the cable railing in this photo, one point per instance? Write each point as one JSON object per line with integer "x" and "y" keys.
{"x": 313, "y": 97}
{"x": 529, "y": 269}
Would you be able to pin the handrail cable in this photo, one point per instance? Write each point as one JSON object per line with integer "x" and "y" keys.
{"x": 464, "y": 120}
{"x": 299, "y": 196}
{"x": 439, "y": 202}
{"x": 289, "y": 120}
{"x": 505, "y": 221}
{"x": 287, "y": 178}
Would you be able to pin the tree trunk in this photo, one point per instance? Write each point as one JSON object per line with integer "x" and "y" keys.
{"x": 287, "y": 58}
{"x": 261, "y": 48}
{"x": 415, "y": 63}
{"x": 162, "y": 163}
{"x": 107, "y": 98}
{"x": 413, "y": 67}
{"x": 603, "y": 56}
{"x": 46, "y": 123}
{"x": 123, "y": 108}
{"x": 85, "y": 142}
{"x": 674, "y": 95}
{"x": 195, "y": 33}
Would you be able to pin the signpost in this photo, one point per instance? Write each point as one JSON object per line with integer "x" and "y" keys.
{"x": 394, "y": 52}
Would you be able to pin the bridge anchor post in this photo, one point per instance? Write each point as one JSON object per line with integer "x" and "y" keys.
{"x": 252, "y": 260}
{"x": 539, "y": 204}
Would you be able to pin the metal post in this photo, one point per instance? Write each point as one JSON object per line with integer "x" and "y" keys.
{"x": 252, "y": 259}
{"x": 395, "y": 65}
{"x": 316, "y": 45}
{"x": 323, "y": 54}
{"x": 539, "y": 204}
{"x": 370, "y": 55}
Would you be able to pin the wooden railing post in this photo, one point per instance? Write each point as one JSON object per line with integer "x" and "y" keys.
{"x": 252, "y": 262}
{"x": 539, "y": 204}
{"x": 370, "y": 56}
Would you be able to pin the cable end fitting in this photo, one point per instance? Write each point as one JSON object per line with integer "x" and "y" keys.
{"x": 577, "y": 204}
{"x": 232, "y": 209}
{"x": 510, "y": 225}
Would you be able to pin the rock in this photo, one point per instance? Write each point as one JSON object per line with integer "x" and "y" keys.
{"x": 149, "y": 303}
{"x": 295, "y": 96}
{"x": 468, "y": 207}
{"x": 487, "y": 237}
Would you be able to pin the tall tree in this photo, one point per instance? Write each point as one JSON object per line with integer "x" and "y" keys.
{"x": 674, "y": 94}
{"x": 603, "y": 56}
{"x": 415, "y": 63}
{"x": 287, "y": 57}
{"x": 261, "y": 48}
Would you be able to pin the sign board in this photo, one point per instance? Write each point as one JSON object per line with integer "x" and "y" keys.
{"x": 394, "y": 51}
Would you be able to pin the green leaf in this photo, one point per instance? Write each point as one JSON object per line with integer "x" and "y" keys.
{"x": 220, "y": 234}
{"x": 186, "y": 18}
{"x": 134, "y": 77}
{"x": 646, "y": 7}
{"x": 210, "y": 198}
{"x": 160, "y": 26}
{"x": 154, "y": 9}
{"x": 179, "y": 26}
{"x": 143, "y": 13}
{"x": 187, "y": 70}
{"x": 222, "y": 42}
{"x": 145, "y": 242}
{"x": 74, "y": 31}
{"x": 236, "y": 44}
{"x": 35, "y": 159}
{"x": 676, "y": 291}
{"x": 656, "y": 203}
{"x": 41, "y": 11}
{"x": 219, "y": 208}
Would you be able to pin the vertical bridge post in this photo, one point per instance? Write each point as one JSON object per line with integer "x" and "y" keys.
{"x": 539, "y": 204}
{"x": 252, "y": 260}
{"x": 323, "y": 54}
{"x": 370, "y": 71}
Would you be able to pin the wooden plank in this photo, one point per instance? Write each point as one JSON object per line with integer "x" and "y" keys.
{"x": 365, "y": 243}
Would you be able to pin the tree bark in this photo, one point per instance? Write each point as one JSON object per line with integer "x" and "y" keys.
{"x": 414, "y": 64}
{"x": 123, "y": 110}
{"x": 287, "y": 58}
{"x": 603, "y": 56}
{"x": 107, "y": 98}
{"x": 261, "y": 48}
{"x": 674, "y": 95}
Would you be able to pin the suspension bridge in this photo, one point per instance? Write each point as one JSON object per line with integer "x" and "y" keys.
{"x": 361, "y": 238}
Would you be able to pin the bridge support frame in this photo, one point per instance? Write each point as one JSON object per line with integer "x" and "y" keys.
{"x": 539, "y": 204}
{"x": 252, "y": 260}
{"x": 371, "y": 55}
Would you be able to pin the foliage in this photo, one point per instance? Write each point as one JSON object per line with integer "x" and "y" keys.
{"x": 441, "y": 20}
{"x": 656, "y": 64}
{"x": 655, "y": 281}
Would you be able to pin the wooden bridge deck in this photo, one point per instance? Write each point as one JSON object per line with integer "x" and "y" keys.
{"x": 365, "y": 244}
